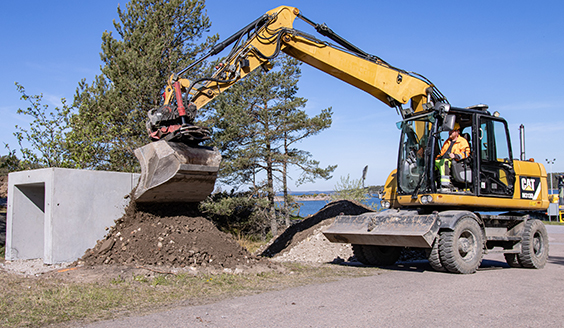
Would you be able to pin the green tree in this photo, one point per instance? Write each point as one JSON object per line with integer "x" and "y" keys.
{"x": 238, "y": 213}
{"x": 295, "y": 126}
{"x": 44, "y": 143}
{"x": 256, "y": 123}
{"x": 155, "y": 38}
{"x": 349, "y": 189}
{"x": 9, "y": 163}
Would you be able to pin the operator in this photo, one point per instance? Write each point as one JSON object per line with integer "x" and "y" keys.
{"x": 456, "y": 148}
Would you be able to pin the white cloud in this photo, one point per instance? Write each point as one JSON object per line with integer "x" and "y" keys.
{"x": 53, "y": 100}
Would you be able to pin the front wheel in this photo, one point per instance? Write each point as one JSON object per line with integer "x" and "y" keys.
{"x": 534, "y": 251}
{"x": 433, "y": 257}
{"x": 359, "y": 254}
{"x": 461, "y": 250}
{"x": 377, "y": 255}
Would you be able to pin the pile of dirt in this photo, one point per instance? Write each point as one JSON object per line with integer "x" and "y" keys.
{"x": 173, "y": 235}
{"x": 299, "y": 232}
{"x": 316, "y": 248}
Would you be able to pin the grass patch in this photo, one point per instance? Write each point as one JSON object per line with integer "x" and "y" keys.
{"x": 43, "y": 301}
{"x": 2, "y": 252}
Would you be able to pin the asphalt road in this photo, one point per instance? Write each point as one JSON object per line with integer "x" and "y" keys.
{"x": 403, "y": 296}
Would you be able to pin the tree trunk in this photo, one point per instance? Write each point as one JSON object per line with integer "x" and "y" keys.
{"x": 285, "y": 182}
{"x": 270, "y": 192}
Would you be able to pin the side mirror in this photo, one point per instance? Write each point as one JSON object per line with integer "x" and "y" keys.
{"x": 448, "y": 123}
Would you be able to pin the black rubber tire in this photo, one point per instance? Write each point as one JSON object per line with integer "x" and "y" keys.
{"x": 359, "y": 254}
{"x": 381, "y": 255}
{"x": 433, "y": 257}
{"x": 461, "y": 250}
{"x": 534, "y": 248}
{"x": 512, "y": 260}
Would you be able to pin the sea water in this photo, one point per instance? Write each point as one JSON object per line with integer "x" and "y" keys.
{"x": 309, "y": 207}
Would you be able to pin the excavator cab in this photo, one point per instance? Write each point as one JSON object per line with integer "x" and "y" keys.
{"x": 488, "y": 170}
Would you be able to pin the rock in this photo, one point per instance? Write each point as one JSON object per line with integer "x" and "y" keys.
{"x": 106, "y": 246}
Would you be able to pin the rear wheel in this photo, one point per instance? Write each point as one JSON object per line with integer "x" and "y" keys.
{"x": 512, "y": 260}
{"x": 461, "y": 250}
{"x": 377, "y": 255}
{"x": 534, "y": 251}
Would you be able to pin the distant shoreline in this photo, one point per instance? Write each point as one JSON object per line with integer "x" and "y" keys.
{"x": 304, "y": 198}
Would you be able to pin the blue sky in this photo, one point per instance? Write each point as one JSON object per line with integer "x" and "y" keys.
{"x": 507, "y": 54}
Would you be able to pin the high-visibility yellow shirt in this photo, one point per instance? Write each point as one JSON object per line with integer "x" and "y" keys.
{"x": 460, "y": 148}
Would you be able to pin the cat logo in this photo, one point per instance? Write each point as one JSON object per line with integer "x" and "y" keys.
{"x": 530, "y": 188}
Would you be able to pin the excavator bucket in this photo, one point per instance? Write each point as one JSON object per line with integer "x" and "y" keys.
{"x": 176, "y": 172}
{"x": 387, "y": 228}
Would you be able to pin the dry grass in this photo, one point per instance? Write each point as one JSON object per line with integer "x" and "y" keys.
{"x": 553, "y": 222}
{"x": 249, "y": 243}
{"x": 42, "y": 301}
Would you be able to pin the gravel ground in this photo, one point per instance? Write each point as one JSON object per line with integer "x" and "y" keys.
{"x": 316, "y": 248}
{"x": 31, "y": 267}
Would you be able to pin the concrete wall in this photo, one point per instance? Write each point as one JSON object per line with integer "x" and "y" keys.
{"x": 57, "y": 214}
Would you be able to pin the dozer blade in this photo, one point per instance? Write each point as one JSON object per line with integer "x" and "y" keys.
{"x": 176, "y": 172}
{"x": 389, "y": 228}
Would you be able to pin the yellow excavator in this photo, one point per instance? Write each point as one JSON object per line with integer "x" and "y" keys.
{"x": 489, "y": 204}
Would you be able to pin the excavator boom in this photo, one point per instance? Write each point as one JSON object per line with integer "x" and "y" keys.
{"x": 273, "y": 33}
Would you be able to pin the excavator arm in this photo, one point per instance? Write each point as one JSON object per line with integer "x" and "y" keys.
{"x": 255, "y": 46}
{"x": 273, "y": 33}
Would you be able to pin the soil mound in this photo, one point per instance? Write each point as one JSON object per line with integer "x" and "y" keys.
{"x": 170, "y": 235}
{"x": 292, "y": 236}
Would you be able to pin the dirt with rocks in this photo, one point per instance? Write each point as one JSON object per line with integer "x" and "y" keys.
{"x": 316, "y": 248}
{"x": 305, "y": 242}
{"x": 173, "y": 235}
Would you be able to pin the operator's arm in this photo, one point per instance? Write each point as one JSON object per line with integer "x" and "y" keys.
{"x": 444, "y": 148}
{"x": 461, "y": 149}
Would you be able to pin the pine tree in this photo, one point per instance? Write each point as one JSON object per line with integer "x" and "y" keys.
{"x": 155, "y": 39}
{"x": 256, "y": 124}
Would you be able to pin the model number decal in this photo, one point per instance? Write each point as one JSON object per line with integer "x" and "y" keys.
{"x": 530, "y": 188}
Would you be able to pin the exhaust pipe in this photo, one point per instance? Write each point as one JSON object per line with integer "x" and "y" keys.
{"x": 522, "y": 141}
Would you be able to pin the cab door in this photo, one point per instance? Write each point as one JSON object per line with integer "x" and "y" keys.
{"x": 495, "y": 161}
